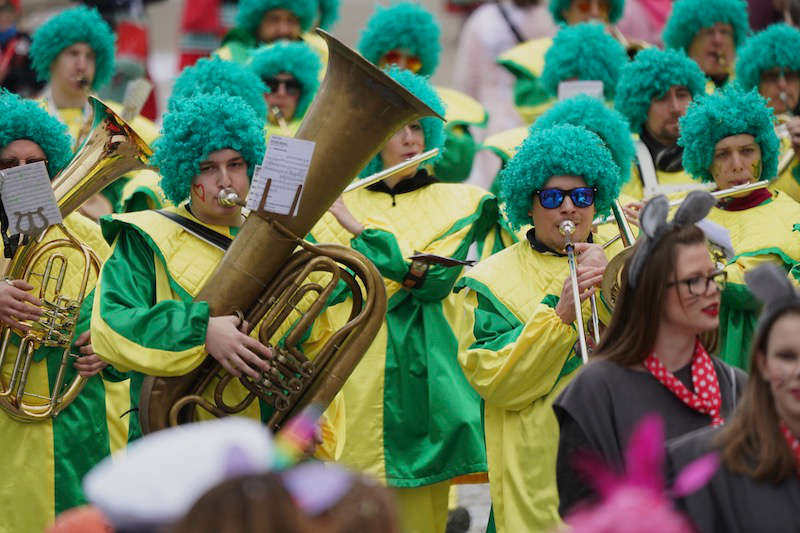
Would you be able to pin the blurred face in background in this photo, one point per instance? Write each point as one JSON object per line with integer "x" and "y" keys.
{"x": 402, "y": 58}
{"x": 284, "y": 94}
{"x": 713, "y": 49}
{"x": 586, "y": 11}
{"x": 781, "y": 88}
{"x": 664, "y": 113}
{"x": 279, "y": 24}
{"x": 72, "y": 71}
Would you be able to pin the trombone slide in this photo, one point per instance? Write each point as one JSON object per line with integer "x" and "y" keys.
{"x": 566, "y": 228}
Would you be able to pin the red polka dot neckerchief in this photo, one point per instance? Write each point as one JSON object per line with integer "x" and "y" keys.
{"x": 706, "y": 397}
{"x": 794, "y": 444}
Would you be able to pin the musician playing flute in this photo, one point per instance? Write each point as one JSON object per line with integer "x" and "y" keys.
{"x": 653, "y": 105}
{"x": 652, "y": 358}
{"x": 728, "y": 138}
{"x": 144, "y": 319}
{"x": 709, "y": 31}
{"x": 74, "y": 53}
{"x": 520, "y": 347}
{"x": 768, "y": 61}
{"x": 412, "y": 419}
{"x": 290, "y": 72}
{"x": 206, "y": 76}
{"x": 44, "y": 460}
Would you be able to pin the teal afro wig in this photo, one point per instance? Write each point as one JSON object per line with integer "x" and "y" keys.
{"x": 690, "y": 16}
{"x": 295, "y": 58}
{"x": 432, "y": 127}
{"x": 563, "y": 149}
{"x": 328, "y": 13}
{"x": 252, "y": 11}
{"x": 776, "y": 46}
{"x": 650, "y": 75}
{"x": 76, "y": 25}
{"x": 586, "y": 52}
{"x": 616, "y": 7}
{"x": 210, "y": 74}
{"x": 406, "y": 26}
{"x": 198, "y": 126}
{"x": 26, "y": 119}
{"x": 727, "y": 112}
{"x": 592, "y": 114}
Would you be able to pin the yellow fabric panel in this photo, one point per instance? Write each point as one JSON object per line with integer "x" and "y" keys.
{"x": 224, "y": 53}
{"x": 528, "y": 56}
{"x": 73, "y": 118}
{"x": 146, "y": 181}
{"x": 423, "y": 509}
{"x": 291, "y": 129}
{"x": 635, "y": 189}
{"x": 786, "y": 182}
{"x": 460, "y": 108}
{"x": 318, "y": 44}
{"x": 758, "y": 228}
{"x": 506, "y": 142}
{"x": 529, "y": 114}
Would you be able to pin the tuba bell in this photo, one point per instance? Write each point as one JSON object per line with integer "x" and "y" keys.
{"x": 357, "y": 109}
{"x": 110, "y": 150}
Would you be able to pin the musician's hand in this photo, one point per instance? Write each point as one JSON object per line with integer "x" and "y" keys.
{"x": 632, "y": 211}
{"x": 793, "y": 127}
{"x": 237, "y": 352}
{"x": 89, "y": 363}
{"x": 589, "y": 277}
{"x": 96, "y": 206}
{"x": 345, "y": 217}
{"x": 15, "y": 304}
{"x": 590, "y": 254}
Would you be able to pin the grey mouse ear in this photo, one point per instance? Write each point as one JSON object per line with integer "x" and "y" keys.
{"x": 769, "y": 283}
{"x": 694, "y": 208}
{"x": 654, "y": 216}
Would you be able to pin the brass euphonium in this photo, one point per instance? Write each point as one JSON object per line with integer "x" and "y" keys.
{"x": 357, "y": 109}
{"x": 110, "y": 150}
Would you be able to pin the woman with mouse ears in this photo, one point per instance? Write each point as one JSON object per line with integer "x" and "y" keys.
{"x": 651, "y": 358}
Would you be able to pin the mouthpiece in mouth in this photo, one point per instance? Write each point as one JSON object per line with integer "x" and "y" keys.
{"x": 567, "y": 227}
{"x": 721, "y": 59}
{"x": 783, "y": 98}
{"x": 229, "y": 198}
{"x": 83, "y": 83}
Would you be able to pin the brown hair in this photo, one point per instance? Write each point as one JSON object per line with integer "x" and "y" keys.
{"x": 751, "y": 442}
{"x": 367, "y": 506}
{"x": 254, "y": 502}
{"x": 631, "y": 336}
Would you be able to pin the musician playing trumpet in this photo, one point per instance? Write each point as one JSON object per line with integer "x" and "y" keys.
{"x": 521, "y": 347}
{"x": 768, "y": 61}
{"x": 728, "y": 138}
{"x": 709, "y": 32}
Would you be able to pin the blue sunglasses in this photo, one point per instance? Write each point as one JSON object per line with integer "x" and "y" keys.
{"x": 553, "y": 198}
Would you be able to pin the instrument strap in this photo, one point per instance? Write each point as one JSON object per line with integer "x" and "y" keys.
{"x": 200, "y": 231}
{"x": 511, "y": 26}
{"x": 647, "y": 169}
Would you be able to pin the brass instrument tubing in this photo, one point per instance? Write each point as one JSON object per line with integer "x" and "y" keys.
{"x": 391, "y": 171}
{"x": 566, "y": 228}
{"x": 724, "y": 193}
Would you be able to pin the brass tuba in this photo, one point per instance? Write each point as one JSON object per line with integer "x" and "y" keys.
{"x": 110, "y": 150}
{"x": 357, "y": 109}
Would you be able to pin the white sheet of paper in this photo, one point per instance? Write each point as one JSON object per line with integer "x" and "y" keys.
{"x": 568, "y": 89}
{"x": 285, "y": 167}
{"x": 28, "y": 199}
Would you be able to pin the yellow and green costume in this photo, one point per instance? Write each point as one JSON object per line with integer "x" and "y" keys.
{"x": 518, "y": 355}
{"x": 412, "y": 419}
{"x": 44, "y": 462}
{"x": 461, "y": 112}
{"x": 526, "y": 62}
{"x": 765, "y": 233}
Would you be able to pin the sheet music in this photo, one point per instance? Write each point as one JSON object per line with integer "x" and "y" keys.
{"x": 281, "y": 176}
{"x": 28, "y": 199}
{"x": 568, "y": 89}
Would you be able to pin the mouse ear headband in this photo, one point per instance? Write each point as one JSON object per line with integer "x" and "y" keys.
{"x": 770, "y": 285}
{"x": 654, "y": 225}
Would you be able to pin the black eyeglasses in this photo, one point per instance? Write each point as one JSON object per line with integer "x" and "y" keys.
{"x": 14, "y": 162}
{"x": 698, "y": 285}
{"x": 292, "y": 87}
{"x": 553, "y": 198}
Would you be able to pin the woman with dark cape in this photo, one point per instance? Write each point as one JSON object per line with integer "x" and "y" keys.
{"x": 757, "y": 487}
{"x": 651, "y": 359}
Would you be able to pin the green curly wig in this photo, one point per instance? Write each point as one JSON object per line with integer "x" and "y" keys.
{"x": 405, "y": 26}
{"x": 564, "y": 149}
{"x": 586, "y": 52}
{"x": 210, "y": 74}
{"x": 592, "y": 114}
{"x": 328, "y": 13}
{"x": 776, "y": 46}
{"x": 252, "y": 11}
{"x": 198, "y": 126}
{"x": 295, "y": 58}
{"x": 690, "y": 16}
{"x": 616, "y": 7}
{"x": 650, "y": 75}
{"x": 26, "y": 119}
{"x": 76, "y": 25}
{"x": 726, "y": 112}
{"x": 432, "y": 127}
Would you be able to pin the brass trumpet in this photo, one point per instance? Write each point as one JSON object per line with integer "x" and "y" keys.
{"x": 567, "y": 228}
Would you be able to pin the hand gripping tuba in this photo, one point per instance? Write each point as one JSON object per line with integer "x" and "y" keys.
{"x": 357, "y": 109}
{"x": 110, "y": 150}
